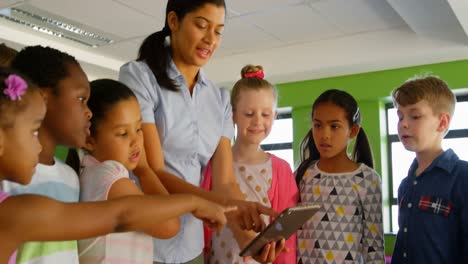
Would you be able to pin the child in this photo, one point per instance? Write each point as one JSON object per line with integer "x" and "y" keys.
{"x": 433, "y": 216}
{"x": 66, "y": 123}
{"x": 348, "y": 227}
{"x": 116, "y": 146}
{"x": 262, "y": 177}
{"x": 32, "y": 217}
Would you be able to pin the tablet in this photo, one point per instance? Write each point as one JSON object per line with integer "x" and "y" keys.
{"x": 288, "y": 222}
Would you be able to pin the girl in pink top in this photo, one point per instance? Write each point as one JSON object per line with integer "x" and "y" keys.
{"x": 37, "y": 218}
{"x": 262, "y": 177}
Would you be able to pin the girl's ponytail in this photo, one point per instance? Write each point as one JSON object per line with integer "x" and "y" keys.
{"x": 73, "y": 160}
{"x": 362, "y": 152}
{"x": 156, "y": 54}
{"x": 309, "y": 154}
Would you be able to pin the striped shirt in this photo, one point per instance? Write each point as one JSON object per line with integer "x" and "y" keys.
{"x": 131, "y": 247}
{"x": 58, "y": 182}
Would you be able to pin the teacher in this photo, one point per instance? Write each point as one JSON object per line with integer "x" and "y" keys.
{"x": 187, "y": 121}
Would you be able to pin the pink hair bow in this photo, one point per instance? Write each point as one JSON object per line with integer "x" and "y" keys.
{"x": 258, "y": 74}
{"x": 15, "y": 87}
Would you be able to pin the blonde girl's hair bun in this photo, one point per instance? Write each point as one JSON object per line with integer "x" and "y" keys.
{"x": 252, "y": 71}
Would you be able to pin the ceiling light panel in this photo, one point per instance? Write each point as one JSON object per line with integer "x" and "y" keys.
{"x": 42, "y": 21}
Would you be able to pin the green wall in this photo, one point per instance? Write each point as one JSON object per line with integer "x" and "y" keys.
{"x": 371, "y": 90}
{"x": 61, "y": 152}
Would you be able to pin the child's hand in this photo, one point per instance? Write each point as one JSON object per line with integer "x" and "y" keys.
{"x": 142, "y": 163}
{"x": 212, "y": 214}
{"x": 270, "y": 252}
{"x": 247, "y": 215}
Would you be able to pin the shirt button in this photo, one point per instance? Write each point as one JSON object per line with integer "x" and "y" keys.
{"x": 415, "y": 182}
{"x": 410, "y": 205}
{"x": 405, "y": 229}
{"x": 404, "y": 254}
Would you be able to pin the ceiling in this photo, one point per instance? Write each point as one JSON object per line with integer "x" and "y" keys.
{"x": 293, "y": 39}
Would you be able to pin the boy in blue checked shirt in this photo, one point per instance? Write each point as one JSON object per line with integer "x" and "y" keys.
{"x": 433, "y": 215}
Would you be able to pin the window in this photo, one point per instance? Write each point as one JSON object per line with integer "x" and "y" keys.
{"x": 279, "y": 142}
{"x": 400, "y": 159}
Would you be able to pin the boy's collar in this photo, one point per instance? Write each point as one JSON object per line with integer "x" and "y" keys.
{"x": 444, "y": 161}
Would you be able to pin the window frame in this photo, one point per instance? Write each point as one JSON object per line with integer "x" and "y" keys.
{"x": 279, "y": 146}
{"x": 283, "y": 114}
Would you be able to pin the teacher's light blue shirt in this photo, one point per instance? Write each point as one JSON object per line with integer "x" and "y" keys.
{"x": 190, "y": 128}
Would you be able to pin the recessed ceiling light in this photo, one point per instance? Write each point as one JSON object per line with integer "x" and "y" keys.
{"x": 44, "y": 22}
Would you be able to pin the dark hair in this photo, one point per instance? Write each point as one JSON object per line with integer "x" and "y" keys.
{"x": 6, "y": 55}
{"x": 153, "y": 49}
{"x": 105, "y": 93}
{"x": 44, "y": 65}
{"x": 10, "y": 108}
{"x": 362, "y": 152}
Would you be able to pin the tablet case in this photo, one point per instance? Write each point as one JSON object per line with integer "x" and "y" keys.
{"x": 288, "y": 222}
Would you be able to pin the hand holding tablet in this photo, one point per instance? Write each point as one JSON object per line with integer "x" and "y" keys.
{"x": 283, "y": 226}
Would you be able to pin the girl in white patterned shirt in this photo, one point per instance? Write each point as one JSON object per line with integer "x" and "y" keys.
{"x": 348, "y": 227}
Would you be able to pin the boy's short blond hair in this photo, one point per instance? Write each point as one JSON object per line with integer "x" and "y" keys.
{"x": 432, "y": 89}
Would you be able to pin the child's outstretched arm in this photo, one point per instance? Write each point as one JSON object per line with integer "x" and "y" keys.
{"x": 248, "y": 212}
{"x": 226, "y": 191}
{"x": 164, "y": 229}
{"x": 36, "y": 218}
{"x": 150, "y": 185}
{"x": 149, "y": 181}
